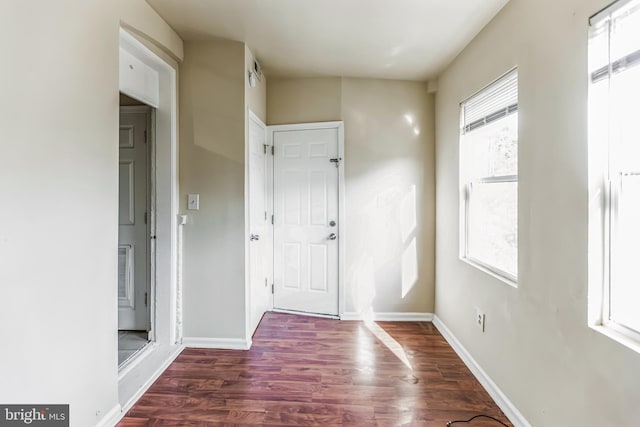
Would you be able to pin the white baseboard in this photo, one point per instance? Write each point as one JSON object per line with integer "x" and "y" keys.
{"x": 112, "y": 417}
{"x": 388, "y": 317}
{"x": 494, "y": 391}
{"x": 142, "y": 390}
{"x": 117, "y": 413}
{"x": 219, "y": 343}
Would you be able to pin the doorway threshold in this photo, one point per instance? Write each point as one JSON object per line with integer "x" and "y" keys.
{"x": 135, "y": 358}
{"x": 304, "y": 313}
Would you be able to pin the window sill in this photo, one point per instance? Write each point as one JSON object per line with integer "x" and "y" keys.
{"x": 621, "y": 338}
{"x": 490, "y": 272}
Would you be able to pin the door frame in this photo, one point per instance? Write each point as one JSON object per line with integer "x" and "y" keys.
{"x": 339, "y": 125}
{"x": 157, "y": 88}
{"x": 251, "y": 116}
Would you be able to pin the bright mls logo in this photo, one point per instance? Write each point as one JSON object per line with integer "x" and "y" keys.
{"x": 34, "y": 415}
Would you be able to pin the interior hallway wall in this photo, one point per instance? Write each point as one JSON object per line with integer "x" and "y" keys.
{"x": 537, "y": 346}
{"x": 212, "y": 161}
{"x": 59, "y": 234}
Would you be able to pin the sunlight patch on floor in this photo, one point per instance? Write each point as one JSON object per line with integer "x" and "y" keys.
{"x": 389, "y": 342}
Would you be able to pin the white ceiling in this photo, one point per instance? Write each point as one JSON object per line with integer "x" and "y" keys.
{"x": 395, "y": 39}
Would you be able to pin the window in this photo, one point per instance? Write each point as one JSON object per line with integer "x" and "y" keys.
{"x": 489, "y": 177}
{"x": 614, "y": 151}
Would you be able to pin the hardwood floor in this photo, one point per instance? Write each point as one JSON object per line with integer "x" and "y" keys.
{"x": 304, "y": 371}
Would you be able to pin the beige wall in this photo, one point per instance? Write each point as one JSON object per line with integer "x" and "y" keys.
{"x": 389, "y": 179}
{"x": 212, "y": 159}
{"x": 390, "y": 193}
{"x": 303, "y": 100}
{"x": 60, "y": 172}
{"x": 537, "y": 346}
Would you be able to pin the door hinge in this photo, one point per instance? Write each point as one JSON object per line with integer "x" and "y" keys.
{"x": 145, "y": 217}
{"x": 273, "y": 288}
{"x": 272, "y": 220}
{"x": 145, "y": 136}
{"x": 265, "y": 215}
{"x": 273, "y": 150}
{"x": 264, "y": 148}
{"x": 145, "y": 298}
{"x": 265, "y": 282}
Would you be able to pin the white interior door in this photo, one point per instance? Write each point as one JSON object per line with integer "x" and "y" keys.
{"x": 259, "y": 223}
{"x": 306, "y": 229}
{"x": 133, "y": 246}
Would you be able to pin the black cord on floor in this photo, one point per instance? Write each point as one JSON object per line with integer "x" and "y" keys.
{"x": 473, "y": 418}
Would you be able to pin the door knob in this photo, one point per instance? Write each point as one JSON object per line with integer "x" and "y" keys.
{"x": 254, "y": 237}
{"x": 332, "y": 236}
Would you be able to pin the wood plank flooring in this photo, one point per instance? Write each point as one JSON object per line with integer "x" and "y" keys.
{"x": 305, "y": 371}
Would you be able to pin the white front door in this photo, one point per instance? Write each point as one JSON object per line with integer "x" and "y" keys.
{"x": 259, "y": 221}
{"x": 133, "y": 242}
{"x": 306, "y": 229}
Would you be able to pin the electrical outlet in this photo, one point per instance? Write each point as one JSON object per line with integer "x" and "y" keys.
{"x": 193, "y": 202}
{"x": 480, "y": 316}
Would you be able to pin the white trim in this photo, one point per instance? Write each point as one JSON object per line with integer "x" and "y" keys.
{"x": 342, "y": 218}
{"x": 495, "y": 273}
{"x": 271, "y": 175}
{"x": 150, "y": 364}
{"x": 501, "y": 399}
{"x": 133, "y": 362}
{"x": 306, "y": 126}
{"x": 250, "y": 328}
{"x": 342, "y": 224}
{"x": 145, "y": 386}
{"x": 627, "y": 339}
{"x": 112, "y": 417}
{"x": 388, "y": 317}
{"x": 219, "y": 343}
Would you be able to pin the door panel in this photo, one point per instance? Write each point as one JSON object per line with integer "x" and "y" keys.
{"x": 133, "y": 242}
{"x": 259, "y": 224}
{"x": 305, "y": 204}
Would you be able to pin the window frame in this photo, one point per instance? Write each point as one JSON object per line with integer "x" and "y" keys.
{"x": 495, "y": 271}
{"x": 467, "y": 185}
{"x": 605, "y": 192}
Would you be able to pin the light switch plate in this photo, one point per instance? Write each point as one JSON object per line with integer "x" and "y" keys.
{"x": 193, "y": 202}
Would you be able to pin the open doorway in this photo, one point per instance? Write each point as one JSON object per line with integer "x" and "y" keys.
{"x": 149, "y": 75}
{"x": 135, "y": 227}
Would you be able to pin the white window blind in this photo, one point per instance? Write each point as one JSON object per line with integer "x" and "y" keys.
{"x": 615, "y": 33}
{"x": 495, "y": 101}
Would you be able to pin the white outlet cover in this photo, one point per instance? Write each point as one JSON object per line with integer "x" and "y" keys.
{"x": 193, "y": 202}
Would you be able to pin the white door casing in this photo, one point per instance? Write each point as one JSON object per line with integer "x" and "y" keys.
{"x": 133, "y": 216}
{"x": 307, "y": 167}
{"x": 259, "y": 223}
